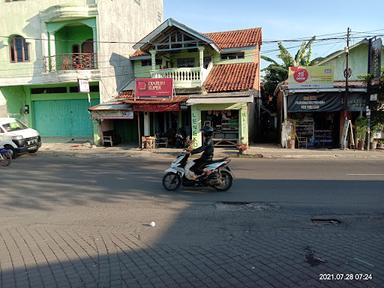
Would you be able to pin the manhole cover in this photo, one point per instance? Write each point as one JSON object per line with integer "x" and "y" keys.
{"x": 240, "y": 205}
{"x": 332, "y": 221}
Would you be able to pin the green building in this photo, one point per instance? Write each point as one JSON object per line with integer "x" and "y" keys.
{"x": 46, "y": 48}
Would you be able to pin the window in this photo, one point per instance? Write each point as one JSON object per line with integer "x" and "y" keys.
{"x": 148, "y": 62}
{"x": 13, "y": 0}
{"x": 19, "y": 49}
{"x": 137, "y": 2}
{"x": 232, "y": 56}
{"x": 159, "y": 17}
{"x": 185, "y": 62}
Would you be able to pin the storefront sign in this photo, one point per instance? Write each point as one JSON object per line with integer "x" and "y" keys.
{"x": 84, "y": 86}
{"x": 172, "y": 107}
{"x": 374, "y": 61}
{"x": 310, "y": 77}
{"x": 154, "y": 87}
{"x": 325, "y": 102}
{"x": 116, "y": 114}
{"x": 314, "y": 103}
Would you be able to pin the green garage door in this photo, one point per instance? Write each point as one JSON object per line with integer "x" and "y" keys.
{"x": 63, "y": 118}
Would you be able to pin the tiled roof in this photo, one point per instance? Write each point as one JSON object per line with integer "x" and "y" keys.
{"x": 139, "y": 53}
{"x": 228, "y": 39}
{"x": 231, "y": 77}
{"x": 236, "y": 38}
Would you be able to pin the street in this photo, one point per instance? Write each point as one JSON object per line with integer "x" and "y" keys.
{"x": 84, "y": 222}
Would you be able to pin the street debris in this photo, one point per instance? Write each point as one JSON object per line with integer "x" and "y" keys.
{"x": 311, "y": 259}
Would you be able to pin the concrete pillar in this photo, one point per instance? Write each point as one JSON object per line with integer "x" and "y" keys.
{"x": 243, "y": 129}
{"x": 52, "y": 51}
{"x": 153, "y": 58}
{"x": 95, "y": 48}
{"x": 147, "y": 124}
{"x": 201, "y": 56}
{"x": 196, "y": 126}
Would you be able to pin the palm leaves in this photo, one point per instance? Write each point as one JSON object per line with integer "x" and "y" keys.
{"x": 276, "y": 72}
{"x": 302, "y": 58}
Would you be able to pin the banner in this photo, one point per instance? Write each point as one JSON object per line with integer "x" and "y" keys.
{"x": 154, "y": 87}
{"x": 315, "y": 103}
{"x": 374, "y": 58}
{"x": 325, "y": 102}
{"x": 310, "y": 77}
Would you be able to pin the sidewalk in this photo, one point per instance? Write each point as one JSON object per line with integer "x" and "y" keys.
{"x": 268, "y": 151}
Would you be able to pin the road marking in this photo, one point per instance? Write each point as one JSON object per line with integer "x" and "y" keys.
{"x": 365, "y": 174}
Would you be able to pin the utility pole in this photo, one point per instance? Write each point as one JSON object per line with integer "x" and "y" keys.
{"x": 347, "y": 71}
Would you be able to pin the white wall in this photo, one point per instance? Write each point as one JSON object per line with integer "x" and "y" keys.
{"x": 123, "y": 21}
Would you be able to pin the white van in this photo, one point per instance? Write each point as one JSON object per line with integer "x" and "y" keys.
{"x": 19, "y": 138}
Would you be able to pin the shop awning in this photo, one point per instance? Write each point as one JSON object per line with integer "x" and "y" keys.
{"x": 157, "y": 105}
{"x": 112, "y": 110}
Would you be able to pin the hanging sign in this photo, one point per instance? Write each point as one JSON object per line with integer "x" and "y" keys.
{"x": 374, "y": 60}
{"x": 84, "y": 86}
{"x": 154, "y": 87}
{"x": 310, "y": 77}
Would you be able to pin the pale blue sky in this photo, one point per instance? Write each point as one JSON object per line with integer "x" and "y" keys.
{"x": 282, "y": 19}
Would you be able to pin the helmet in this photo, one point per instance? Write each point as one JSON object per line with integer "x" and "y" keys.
{"x": 207, "y": 131}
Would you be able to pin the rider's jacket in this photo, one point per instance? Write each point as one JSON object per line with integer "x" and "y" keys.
{"x": 206, "y": 148}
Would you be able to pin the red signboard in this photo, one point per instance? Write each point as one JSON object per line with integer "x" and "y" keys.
{"x": 154, "y": 87}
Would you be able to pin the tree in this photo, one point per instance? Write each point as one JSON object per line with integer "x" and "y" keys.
{"x": 276, "y": 72}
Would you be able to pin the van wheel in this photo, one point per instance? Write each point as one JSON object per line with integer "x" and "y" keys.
{"x": 13, "y": 151}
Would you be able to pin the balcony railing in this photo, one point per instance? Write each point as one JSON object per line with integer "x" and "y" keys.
{"x": 71, "y": 61}
{"x": 183, "y": 77}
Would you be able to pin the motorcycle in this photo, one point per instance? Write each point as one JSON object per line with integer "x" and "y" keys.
{"x": 217, "y": 174}
{"x": 5, "y": 157}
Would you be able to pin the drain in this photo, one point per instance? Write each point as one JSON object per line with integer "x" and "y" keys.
{"x": 332, "y": 221}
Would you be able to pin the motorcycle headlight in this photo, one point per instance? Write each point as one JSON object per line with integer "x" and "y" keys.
{"x": 18, "y": 137}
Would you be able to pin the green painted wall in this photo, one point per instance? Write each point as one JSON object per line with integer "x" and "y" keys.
{"x": 16, "y": 98}
{"x": 68, "y": 36}
{"x": 358, "y": 61}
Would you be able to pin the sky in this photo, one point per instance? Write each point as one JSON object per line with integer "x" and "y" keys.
{"x": 284, "y": 20}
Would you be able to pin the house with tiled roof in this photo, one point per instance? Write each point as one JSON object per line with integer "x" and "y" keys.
{"x": 215, "y": 78}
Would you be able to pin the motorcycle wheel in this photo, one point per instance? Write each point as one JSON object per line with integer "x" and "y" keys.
{"x": 5, "y": 160}
{"x": 171, "y": 181}
{"x": 226, "y": 180}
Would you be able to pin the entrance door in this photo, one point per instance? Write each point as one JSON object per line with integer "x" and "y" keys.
{"x": 87, "y": 54}
{"x": 63, "y": 118}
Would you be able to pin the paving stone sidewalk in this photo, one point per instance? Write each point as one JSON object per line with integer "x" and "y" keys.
{"x": 206, "y": 245}
{"x": 257, "y": 151}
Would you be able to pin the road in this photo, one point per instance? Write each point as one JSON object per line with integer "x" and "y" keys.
{"x": 84, "y": 222}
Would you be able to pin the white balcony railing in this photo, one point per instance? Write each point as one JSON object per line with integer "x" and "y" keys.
{"x": 182, "y": 77}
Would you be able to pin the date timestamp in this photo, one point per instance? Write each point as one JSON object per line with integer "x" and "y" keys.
{"x": 345, "y": 277}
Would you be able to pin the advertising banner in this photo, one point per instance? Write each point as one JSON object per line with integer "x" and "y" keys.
{"x": 154, "y": 87}
{"x": 314, "y": 103}
{"x": 325, "y": 102}
{"x": 310, "y": 77}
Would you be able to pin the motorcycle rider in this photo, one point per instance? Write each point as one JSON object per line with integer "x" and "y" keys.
{"x": 206, "y": 148}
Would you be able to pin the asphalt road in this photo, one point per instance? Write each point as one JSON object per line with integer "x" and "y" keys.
{"x": 84, "y": 222}
{"x": 40, "y": 181}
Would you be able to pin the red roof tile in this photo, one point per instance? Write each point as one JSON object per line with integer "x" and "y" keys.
{"x": 236, "y": 38}
{"x": 139, "y": 53}
{"x": 231, "y": 77}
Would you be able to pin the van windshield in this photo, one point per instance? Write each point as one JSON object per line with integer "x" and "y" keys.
{"x": 14, "y": 126}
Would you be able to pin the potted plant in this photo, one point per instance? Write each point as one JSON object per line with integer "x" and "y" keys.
{"x": 376, "y": 133}
{"x": 242, "y": 148}
{"x": 361, "y": 127}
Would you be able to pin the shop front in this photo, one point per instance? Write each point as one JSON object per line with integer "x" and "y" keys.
{"x": 229, "y": 120}
{"x": 319, "y": 117}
